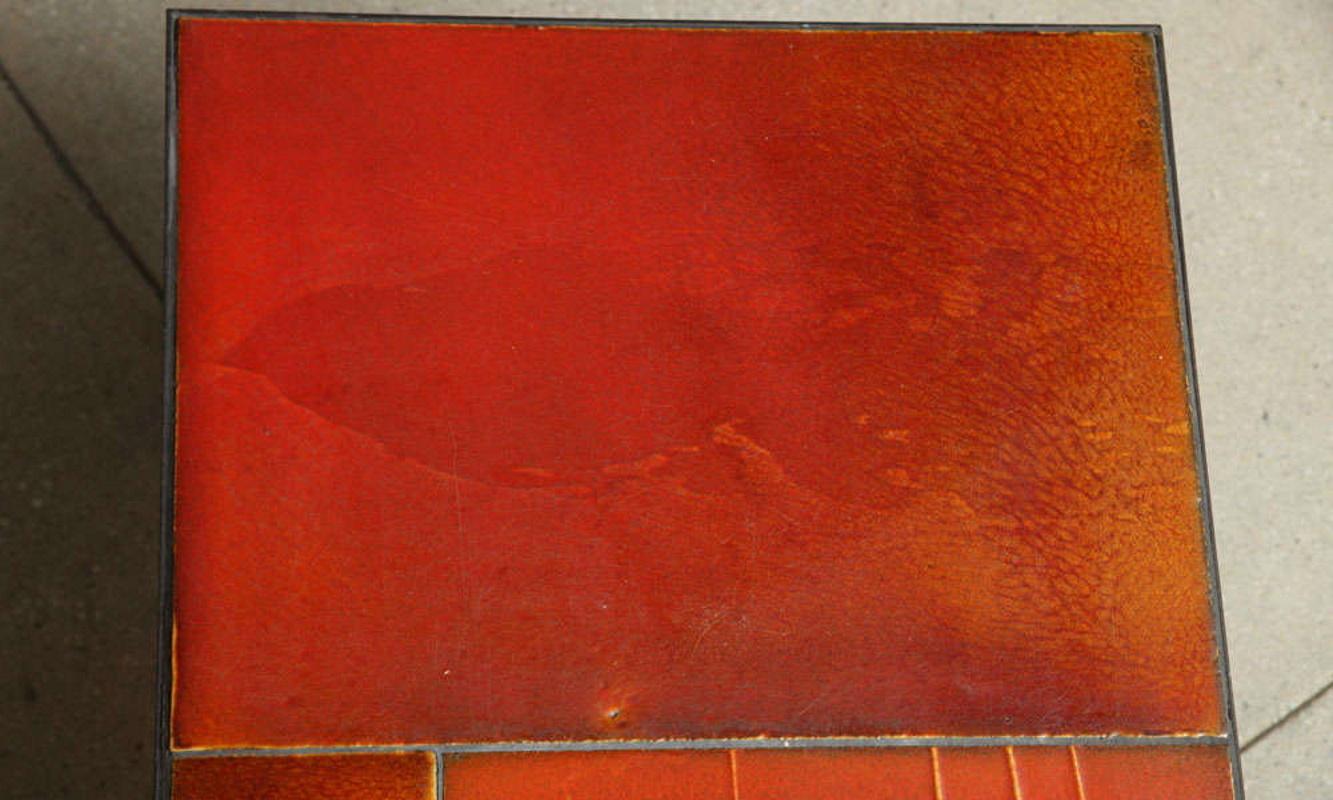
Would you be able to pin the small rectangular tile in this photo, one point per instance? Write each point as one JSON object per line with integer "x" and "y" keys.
{"x": 381, "y": 776}
{"x": 974, "y": 773}
{"x": 1155, "y": 773}
{"x": 905, "y": 773}
{"x": 690, "y": 775}
{"x": 1046, "y": 773}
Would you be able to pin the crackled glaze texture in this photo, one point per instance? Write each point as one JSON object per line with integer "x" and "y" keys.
{"x": 407, "y": 776}
{"x": 960, "y": 773}
{"x": 696, "y": 775}
{"x": 833, "y": 774}
{"x": 1156, "y": 773}
{"x": 627, "y": 383}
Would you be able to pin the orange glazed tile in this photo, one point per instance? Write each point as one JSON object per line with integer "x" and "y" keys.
{"x": 694, "y": 775}
{"x": 835, "y": 774}
{"x": 407, "y": 776}
{"x": 909, "y": 773}
{"x": 1155, "y": 773}
{"x": 974, "y": 773}
{"x": 1046, "y": 773}
{"x": 965, "y": 773}
{"x": 615, "y": 383}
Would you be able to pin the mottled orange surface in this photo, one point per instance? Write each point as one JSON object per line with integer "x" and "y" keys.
{"x": 406, "y": 776}
{"x": 626, "y": 383}
{"x": 915, "y": 773}
{"x": 696, "y": 775}
{"x": 901, "y": 774}
{"x": 1049, "y": 773}
{"x": 974, "y": 773}
{"x": 1156, "y": 773}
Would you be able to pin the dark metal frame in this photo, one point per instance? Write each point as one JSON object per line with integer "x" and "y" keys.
{"x": 164, "y": 756}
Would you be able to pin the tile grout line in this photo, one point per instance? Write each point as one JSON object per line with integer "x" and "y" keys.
{"x": 439, "y": 774}
{"x": 713, "y": 744}
{"x": 1299, "y": 709}
{"x": 622, "y": 22}
{"x": 85, "y": 192}
{"x": 1078, "y": 774}
{"x": 935, "y": 780}
{"x": 1013, "y": 772}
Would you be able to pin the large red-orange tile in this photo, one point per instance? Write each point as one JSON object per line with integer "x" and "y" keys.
{"x": 974, "y": 773}
{"x": 835, "y": 774}
{"x": 409, "y": 776}
{"x": 614, "y": 383}
{"x": 698, "y": 775}
{"x": 1155, "y": 773}
{"x": 1045, "y": 773}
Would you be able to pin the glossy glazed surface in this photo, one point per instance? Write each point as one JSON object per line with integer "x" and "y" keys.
{"x": 590, "y": 776}
{"x": 1051, "y": 773}
{"x": 1156, "y": 773}
{"x": 828, "y": 774}
{"x": 407, "y": 776}
{"x": 1023, "y": 773}
{"x": 610, "y": 383}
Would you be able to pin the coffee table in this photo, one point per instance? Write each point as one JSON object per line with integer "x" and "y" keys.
{"x": 606, "y": 409}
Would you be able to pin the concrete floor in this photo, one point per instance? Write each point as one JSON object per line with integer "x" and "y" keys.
{"x": 81, "y": 244}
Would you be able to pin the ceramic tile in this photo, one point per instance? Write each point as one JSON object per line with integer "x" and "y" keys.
{"x": 591, "y": 776}
{"x": 1046, "y": 773}
{"x": 974, "y": 773}
{"x": 576, "y": 407}
{"x": 1155, "y": 773}
{"x": 911, "y": 773}
{"x": 406, "y": 776}
{"x": 906, "y": 773}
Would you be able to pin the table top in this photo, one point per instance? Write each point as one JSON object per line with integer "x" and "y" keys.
{"x": 647, "y": 410}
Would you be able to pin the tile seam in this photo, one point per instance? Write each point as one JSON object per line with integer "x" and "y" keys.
{"x": 1078, "y": 774}
{"x": 255, "y": 15}
{"x": 1293, "y": 713}
{"x": 1013, "y": 772}
{"x": 85, "y": 192}
{"x": 936, "y": 780}
{"x": 442, "y": 750}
